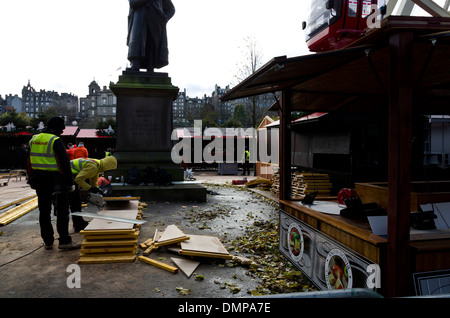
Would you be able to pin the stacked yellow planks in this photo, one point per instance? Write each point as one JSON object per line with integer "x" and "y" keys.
{"x": 319, "y": 182}
{"x": 108, "y": 241}
{"x": 18, "y": 211}
{"x": 303, "y": 183}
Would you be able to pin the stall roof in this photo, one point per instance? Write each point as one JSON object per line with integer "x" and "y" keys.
{"x": 71, "y": 131}
{"x": 306, "y": 118}
{"x": 217, "y": 132}
{"x": 357, "y": 78}
{"x": 87, "y": 133}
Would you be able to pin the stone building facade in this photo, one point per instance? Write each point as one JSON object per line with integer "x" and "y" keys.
{"x": 34, "y": 101}
{"x": 99, "y": 105}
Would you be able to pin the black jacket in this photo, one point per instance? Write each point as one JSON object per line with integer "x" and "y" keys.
{"x": 65, "y": 172}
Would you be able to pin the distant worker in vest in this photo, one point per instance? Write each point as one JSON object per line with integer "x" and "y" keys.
{"x": 80, "y": 151}
{"x": 88, "y": 169}
{"x": 246, "y": 162}
{"x": 51, "y": 176}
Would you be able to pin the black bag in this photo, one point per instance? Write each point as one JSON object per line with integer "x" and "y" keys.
{"x": 133, "y": 176}
{"x": 157, "y": 176}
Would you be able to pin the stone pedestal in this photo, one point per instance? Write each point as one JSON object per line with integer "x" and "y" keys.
{"x": 144, "y": 128}
{"x": 144, "y": 122}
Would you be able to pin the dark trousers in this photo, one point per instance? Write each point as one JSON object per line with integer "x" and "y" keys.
{"x": 75, "y": 206}
{"x": 246, "y": 168}
{"x": 45, "y": 202}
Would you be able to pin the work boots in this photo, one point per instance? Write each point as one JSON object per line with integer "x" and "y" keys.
{"x": 69, "y": 246}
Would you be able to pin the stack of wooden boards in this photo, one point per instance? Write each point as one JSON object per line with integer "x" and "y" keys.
{"x": 107, "y": 241}
{"x": 182, "y": 244}
{"x": 303, "y": 183}
{"x": 23, "y": 206}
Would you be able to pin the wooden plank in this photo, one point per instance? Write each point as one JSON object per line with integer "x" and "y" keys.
{"x": 112, "y": 236}
{"x": 143, "y": 246}
{"x": 150, "y": 249}
{"x": 149, "y": 241}
{"x": 105, "y": 258}
{"x": 172, "y": 241}
{"x": 111, "y": 199}
{"x": 109, "y": 243}
{"x": 164, "y": 266}
{"x": 205, "y": 254}
{"x": 107, "y": 232}
{"x": 15, "y": 213}
{"x": 111, "y": 249}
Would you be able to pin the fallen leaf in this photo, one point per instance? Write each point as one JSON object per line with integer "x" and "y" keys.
{"x": 183, "y": 291}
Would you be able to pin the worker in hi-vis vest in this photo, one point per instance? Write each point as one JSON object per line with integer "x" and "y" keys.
{"x": 50, "y": 175}
{"x": 246, "y": 162}
{"x": 88, "y": 169}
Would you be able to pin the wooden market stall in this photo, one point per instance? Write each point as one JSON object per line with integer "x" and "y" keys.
{"x": 399, "y": 70}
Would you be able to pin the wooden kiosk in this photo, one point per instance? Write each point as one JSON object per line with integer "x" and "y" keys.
{"x": 401, "y": 69}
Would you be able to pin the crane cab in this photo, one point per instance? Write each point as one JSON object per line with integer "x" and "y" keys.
{"x": 333, "y": 24}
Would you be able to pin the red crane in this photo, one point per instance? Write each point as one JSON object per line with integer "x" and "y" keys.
{"x": 333, "y": 24}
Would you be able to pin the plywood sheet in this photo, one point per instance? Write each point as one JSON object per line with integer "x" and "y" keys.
{"x": 120, "y": 209}
{"x": 204, "y": 244}
{"x": 100, "y": 224}
{"x": 185, "y": 265}
{"x": 172, "y": 234}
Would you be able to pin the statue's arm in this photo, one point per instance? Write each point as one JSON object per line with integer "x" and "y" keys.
{"x": 169, "y": 9}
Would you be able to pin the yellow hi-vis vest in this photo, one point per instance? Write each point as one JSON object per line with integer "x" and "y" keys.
{"x": 246, "y": 156}
{"x": 78, "y": 164}
{"x": 42, "y": 156}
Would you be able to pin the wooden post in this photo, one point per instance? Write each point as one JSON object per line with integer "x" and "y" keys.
{"x": 285, "y": 146}
{"x": 398, "y": 275}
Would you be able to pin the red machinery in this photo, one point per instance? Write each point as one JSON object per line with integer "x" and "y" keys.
{"x": 333, "y": 24}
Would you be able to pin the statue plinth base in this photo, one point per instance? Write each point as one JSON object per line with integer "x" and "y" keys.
{"x": 144, "y": 128}
{"x": 144, "y": 123}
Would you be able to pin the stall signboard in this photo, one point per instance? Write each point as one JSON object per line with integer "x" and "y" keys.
{"x": 327, "y": 263}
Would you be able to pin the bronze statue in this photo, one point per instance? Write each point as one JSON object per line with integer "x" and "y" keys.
{"x": 147, "y": 34}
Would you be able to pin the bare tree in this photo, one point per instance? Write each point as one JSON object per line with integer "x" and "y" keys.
{"x": 251, "y": 62}
{"x": 252, "y": 59}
